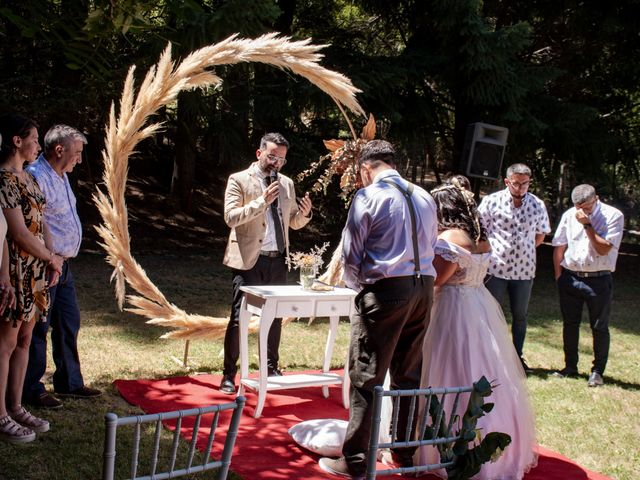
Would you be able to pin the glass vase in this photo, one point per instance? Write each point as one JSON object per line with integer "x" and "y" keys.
{"x": 307, "y": 276}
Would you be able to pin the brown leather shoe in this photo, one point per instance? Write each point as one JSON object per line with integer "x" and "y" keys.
{"x": 45, "y": 400}
{"x": 82, "y": 392}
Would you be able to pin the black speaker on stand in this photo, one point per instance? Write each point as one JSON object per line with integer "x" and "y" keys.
{"x": 483, "y": 150}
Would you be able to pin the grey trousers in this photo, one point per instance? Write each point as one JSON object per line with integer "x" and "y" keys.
{"x": 387, "y": 333}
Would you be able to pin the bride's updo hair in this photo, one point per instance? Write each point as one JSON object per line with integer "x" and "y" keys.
{"x": 459, "y": 181}
{"x": 457, "y": 208}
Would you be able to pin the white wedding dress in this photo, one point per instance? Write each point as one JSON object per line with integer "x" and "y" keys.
{"x": 468, "y": 338}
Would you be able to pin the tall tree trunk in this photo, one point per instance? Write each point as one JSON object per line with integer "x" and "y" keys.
{"x": 464, "y": 116}
{"x": 65, "y": 82}
{"x": 561, "y": 190}
{"x": 431, "y": 158}
{"x": 185, "y": 160}
{"x": 285, "y": 20}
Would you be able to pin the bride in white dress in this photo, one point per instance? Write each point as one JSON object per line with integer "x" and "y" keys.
{"x": 468, "y": 337}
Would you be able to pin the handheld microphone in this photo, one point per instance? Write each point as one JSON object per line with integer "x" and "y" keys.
{"x": 273, "y": 177}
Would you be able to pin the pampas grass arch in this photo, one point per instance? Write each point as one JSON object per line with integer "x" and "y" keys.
{"x": 124, "y": 131}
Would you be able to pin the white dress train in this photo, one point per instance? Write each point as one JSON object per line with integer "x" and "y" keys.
{"x": 468, "y": 338}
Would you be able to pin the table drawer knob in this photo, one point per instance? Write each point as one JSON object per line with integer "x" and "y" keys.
{"x": 294, "y": 308}
{"x": 332, "y": 308}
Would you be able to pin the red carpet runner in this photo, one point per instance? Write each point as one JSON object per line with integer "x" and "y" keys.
{"x": 264, "y": 449}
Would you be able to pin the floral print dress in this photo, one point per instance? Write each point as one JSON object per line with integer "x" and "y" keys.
{"x": 28, "y": 274}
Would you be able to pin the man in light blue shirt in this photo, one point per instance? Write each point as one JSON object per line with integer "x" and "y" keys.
{"x": 388, "y": 255}
{"x": 377, "y": 239}
{"x": 63, "y": 146}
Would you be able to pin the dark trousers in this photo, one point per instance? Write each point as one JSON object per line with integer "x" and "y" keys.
{"x": 266, "y": 271}
{"x": 64, "y": 319}
{"x": 387, "y": 333}
{"x": 519, "y": 294}
{"x": 596, "y": 293}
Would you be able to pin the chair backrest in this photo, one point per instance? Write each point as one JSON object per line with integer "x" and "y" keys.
{"x": 112, "y": 422}
{"x": 425, "y": 426}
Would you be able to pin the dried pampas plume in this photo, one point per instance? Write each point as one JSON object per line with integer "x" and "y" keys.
{"x": 124, "y": 131}
{"x": 341, "y": 161}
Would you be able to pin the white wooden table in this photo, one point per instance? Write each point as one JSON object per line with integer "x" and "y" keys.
{"x": 278, "y": 301}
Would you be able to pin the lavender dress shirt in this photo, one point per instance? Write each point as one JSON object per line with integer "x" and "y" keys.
{"x": 60, "y": 213}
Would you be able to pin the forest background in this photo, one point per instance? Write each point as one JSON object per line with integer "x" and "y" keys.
{"x": 561, "y": 76}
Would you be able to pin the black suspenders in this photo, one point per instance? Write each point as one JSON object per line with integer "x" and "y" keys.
{"x": 414, "y": 234}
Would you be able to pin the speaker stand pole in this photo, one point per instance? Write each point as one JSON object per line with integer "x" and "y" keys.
{"x": 475, "y": 187}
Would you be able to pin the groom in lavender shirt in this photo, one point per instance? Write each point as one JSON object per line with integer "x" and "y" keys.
{"x": 63, "y": 147}
{"x": 388, "y": 257}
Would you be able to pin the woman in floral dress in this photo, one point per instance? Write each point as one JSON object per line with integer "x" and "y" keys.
{"x": 29, "y": 262}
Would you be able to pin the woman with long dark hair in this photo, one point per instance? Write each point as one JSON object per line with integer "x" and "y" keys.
{"x": 29, "y": 261}
{"x": 468, "y": 337}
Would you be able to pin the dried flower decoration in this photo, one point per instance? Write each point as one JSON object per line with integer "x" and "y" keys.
{"x": 160, "y": 86}
{"x": 311, "y": 259}
{"x": 341, "y": 161}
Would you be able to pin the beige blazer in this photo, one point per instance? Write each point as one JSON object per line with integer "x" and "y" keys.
{"x": 245, "y": 212}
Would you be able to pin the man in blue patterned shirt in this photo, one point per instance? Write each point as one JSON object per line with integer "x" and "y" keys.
{"x": 63, "y": 147}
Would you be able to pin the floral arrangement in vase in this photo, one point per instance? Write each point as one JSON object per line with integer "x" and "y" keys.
{"x": 308, "y": 263}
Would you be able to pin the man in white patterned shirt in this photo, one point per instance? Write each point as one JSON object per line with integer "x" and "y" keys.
{"x": 63, "y": 146}
{"x": 515, "y": 222}
{"x": 586, "y": 249}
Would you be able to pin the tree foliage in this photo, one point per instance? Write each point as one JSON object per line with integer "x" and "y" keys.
{"x": 561, "y": 77}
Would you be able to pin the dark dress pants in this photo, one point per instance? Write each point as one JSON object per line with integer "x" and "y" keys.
{"x": 519, "y": 295}
{"x": 64, "y": 319}
{"x": 596, "y": 293}
{"x": 266, "y": 271}
{"x": 387, "y": 333}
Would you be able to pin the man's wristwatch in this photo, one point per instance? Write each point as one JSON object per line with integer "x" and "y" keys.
{"x": 587, "y": 225}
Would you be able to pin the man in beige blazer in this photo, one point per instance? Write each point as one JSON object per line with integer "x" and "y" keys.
{"x": 259, "y": 205}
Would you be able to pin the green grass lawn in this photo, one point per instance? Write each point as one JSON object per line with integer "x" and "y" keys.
{"x": 598, "y": 428}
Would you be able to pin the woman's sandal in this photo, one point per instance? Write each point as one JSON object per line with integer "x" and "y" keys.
{"x": 24, "y": 418}
{"x": 12, "y": 432}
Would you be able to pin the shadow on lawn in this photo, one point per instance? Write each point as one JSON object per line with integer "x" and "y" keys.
{"x": 199, "y": 283}
{"x": 547, "y": 374}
